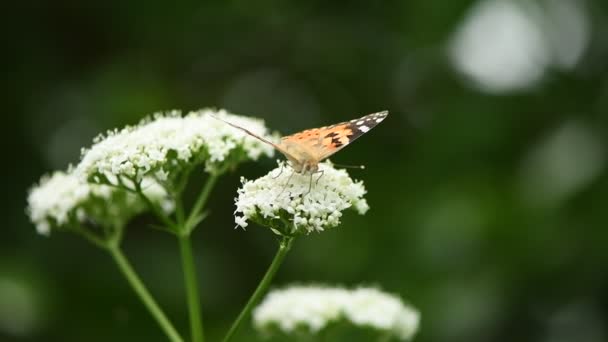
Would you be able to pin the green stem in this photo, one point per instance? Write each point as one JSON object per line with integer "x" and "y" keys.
{"x": 90, "y": 236}
{"x": 144, "y": 295}
{"x": 183, "y": 228}
{"x": 155, "y": 209}
{"x": 284, "y": 247}
{"x": 177, "y": 194}
{"x": 185, "y": 245}
{"x": 385, "y": 337}
{"x": 190, "y": 280}
{"x": 201, "y": 201}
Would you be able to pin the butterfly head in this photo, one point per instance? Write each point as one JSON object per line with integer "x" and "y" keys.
{"x": 304, "y": 167}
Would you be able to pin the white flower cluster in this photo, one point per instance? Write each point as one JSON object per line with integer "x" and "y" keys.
{"x": 161, "y": 143}
{"x": 291, "y": 203}
{"x": 62, "y": 199}
{"x": 313, "y": 308}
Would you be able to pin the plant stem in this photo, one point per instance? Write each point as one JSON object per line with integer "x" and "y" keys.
{"x": 191, "y": 283}
{"x": 188, "y": 265}
{"x": 201, "y": 200}
{"x": 284, "y": 247}
{"x": 385, "y": 337}
{"x": 89, "y": 236}
{"x": 155, "y": 209}
{"x": 143, "y": 294}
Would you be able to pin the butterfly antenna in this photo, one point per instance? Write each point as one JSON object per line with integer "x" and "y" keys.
{"x": 247, "y": 131}
{"x": 361, "y": 167}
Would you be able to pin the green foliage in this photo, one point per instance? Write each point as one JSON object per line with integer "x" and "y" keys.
{"x": 453, "y": 226}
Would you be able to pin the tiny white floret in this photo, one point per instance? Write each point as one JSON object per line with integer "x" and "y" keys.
{"x": 63, "y": 199}
{"x": 293, "y": 203}
{"x": 166, "y": 141}
{"x": 314, "y": 308}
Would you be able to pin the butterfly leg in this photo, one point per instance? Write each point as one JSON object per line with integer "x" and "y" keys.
{"x": 286, "y": 184}
{"x": 309, "y": 185}
{"x": 316, "y": 182}
{"x": 318, "y": 179}
{"x": 280, "y": 173}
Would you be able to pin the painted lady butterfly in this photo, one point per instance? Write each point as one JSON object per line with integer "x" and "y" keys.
{"x": 307, "y": 148}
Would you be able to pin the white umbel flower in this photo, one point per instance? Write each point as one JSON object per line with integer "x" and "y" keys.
{"x": 63, "y": 199}
{"x": 292, "y": 203}
{"x": 162, "y": 143}
{"x": 313, "y": 308}
{"x": 374, "y": 308}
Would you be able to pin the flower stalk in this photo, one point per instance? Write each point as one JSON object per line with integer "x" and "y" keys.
{"x": 184, "y": 228}
{"x": 191, "y": 283}
{"x": 195, "y": 214}
{"x": 143, "y": 294}
{"x": 111, "y": 243}
{"x": 284, "y": 247}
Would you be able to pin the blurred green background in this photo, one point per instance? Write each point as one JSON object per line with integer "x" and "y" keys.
{"x": 487, "y": 183}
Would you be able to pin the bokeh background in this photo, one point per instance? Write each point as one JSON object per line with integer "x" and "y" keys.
{"x": 487, "y": 183}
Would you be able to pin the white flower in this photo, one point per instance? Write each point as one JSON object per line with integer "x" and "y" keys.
{"x": 63, "y": 199}
{"x": 291, "y": 203}
{"x": 315, "y": 307}
{"x": 311, "y": 307}
{"x": 54, "y": 198}
{"x": 374, "y": 308}
{"x": 159, "y": 145}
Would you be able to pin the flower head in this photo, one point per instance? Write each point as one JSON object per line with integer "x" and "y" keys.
{"x": 62, "y": 200}
{"x": 374, "y": 308}
{"x": 292, "y": 203}
{"x": 313, "y": 308}
{"x": 167, "y": 142}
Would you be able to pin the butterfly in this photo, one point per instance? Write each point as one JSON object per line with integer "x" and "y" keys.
{"x": 307, "y": 148}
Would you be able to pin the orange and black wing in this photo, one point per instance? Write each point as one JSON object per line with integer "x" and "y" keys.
{"x": 333, "y": 138}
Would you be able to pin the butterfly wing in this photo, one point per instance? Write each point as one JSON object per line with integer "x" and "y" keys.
{"x": 313, "y": 145}
{"x": 332, "y": 139}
